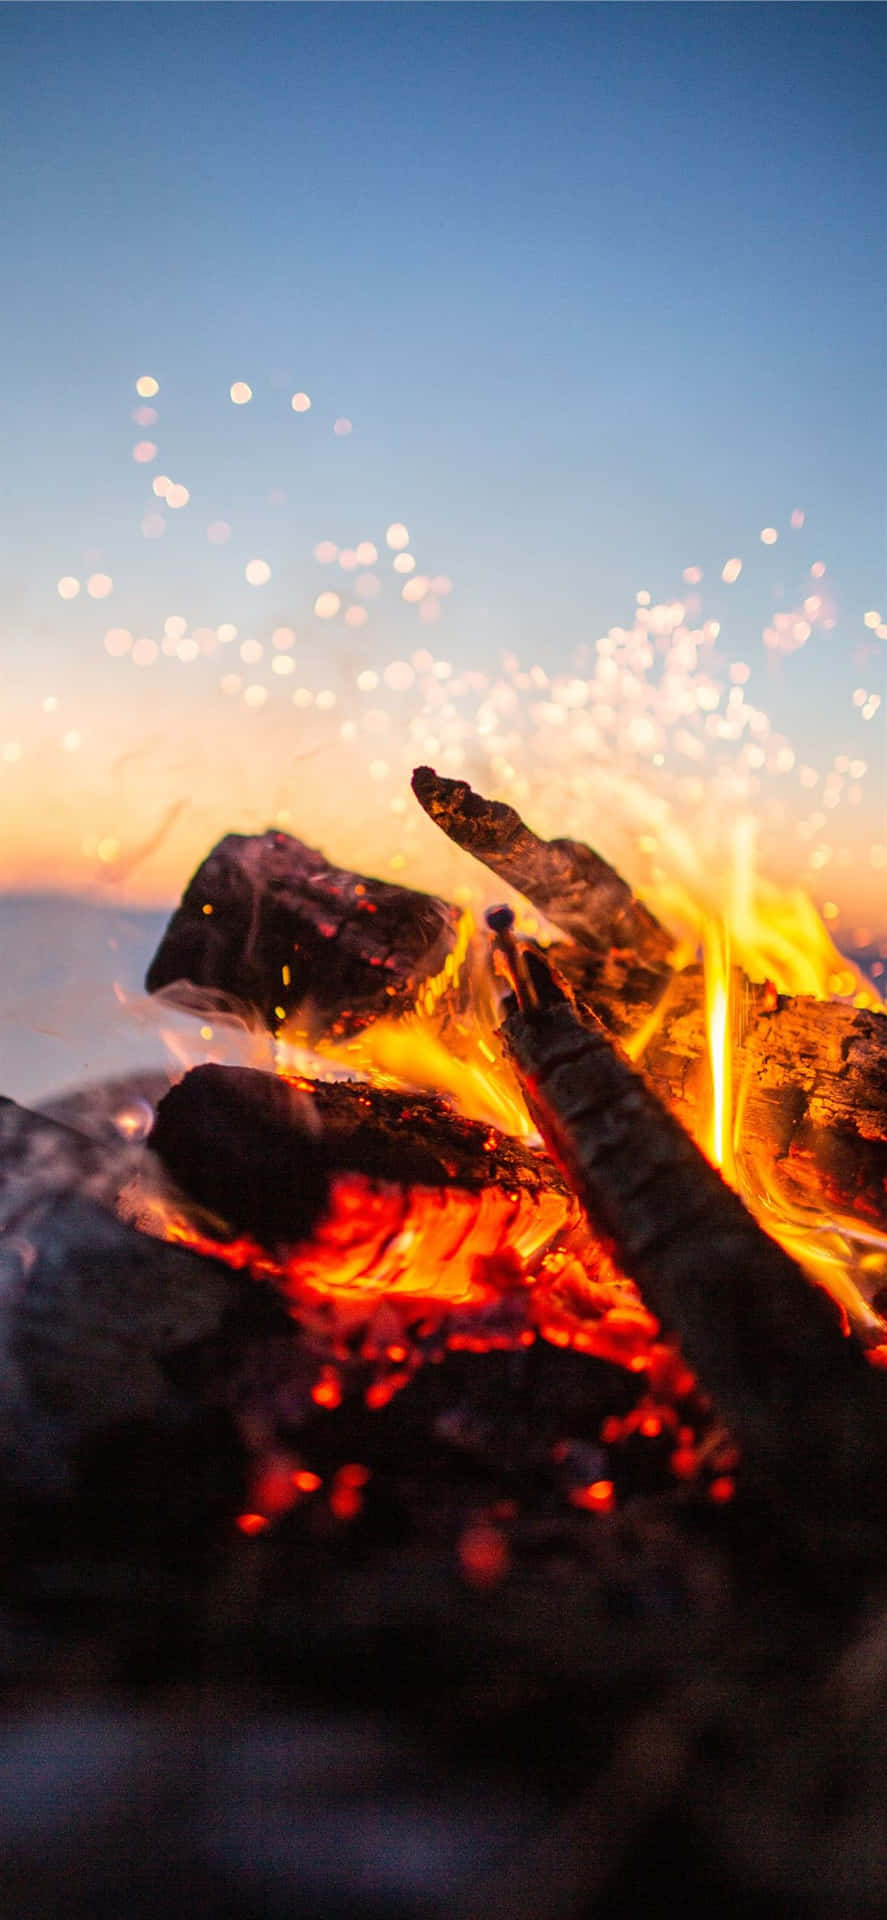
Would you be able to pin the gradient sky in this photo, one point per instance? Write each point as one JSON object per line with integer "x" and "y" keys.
{"x": 601, "y": 289}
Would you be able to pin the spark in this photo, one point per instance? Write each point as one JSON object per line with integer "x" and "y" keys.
{"x": 327, "y": 605}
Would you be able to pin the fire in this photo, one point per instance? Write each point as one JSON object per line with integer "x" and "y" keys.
{"x": 770, "y": 935}
{"x": 449, "y": 1044}
{"x": 716, "y": 961}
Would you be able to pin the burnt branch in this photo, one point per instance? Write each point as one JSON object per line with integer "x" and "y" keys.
{"x": 270, "y": 923}
{"x": 565, "y": 880}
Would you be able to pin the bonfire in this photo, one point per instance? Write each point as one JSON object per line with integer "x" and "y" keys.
{"x": 508, "y": 1363}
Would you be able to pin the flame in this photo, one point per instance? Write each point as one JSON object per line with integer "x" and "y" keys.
{"x": 449, "y": 1044}
{"x": 744, "y": 924}
{"x": 716, "y": 964}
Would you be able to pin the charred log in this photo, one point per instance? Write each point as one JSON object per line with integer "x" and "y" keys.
{"x": 565, "y": 880}
{"x": 271, "y": 924}
{"x": 354, "y": 1190}
{"x": 245, "y": 1145}
{"x": 809, "y": 1413}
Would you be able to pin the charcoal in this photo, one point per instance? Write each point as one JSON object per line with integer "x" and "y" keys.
{"x": 269, "y": 923}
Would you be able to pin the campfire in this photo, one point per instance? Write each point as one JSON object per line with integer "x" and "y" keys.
{"x": 537, "y": 1225}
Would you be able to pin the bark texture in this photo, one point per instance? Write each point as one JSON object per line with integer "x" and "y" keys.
{"x": 272, "y": 925}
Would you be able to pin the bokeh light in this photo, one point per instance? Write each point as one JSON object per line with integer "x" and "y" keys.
{"x": 300, "y": 403}
{"x": 240, "y": 393}
{"x": 147, "y": 386}
{"x": 327, "y": 605}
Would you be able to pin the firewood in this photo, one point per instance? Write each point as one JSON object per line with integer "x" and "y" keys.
{"x": 269, "y": 923}
{"x": 565, "y": 880}
{"x": 799, "y": 1396}
{"x": 812, "y": 1074}
{"x": 377, "y": 1188}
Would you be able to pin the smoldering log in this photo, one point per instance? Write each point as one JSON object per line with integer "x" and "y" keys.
{"x": 811, "y": 1074}
{"x": 565, "y": 880}
{"x": 264, "y": 1156}
{"x": 273, "y": 925}
{"x": 90, "y": 1311}
{"x": 800, "y": 1397}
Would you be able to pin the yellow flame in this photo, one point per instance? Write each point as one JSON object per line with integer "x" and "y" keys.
{"x": 435, "y": 1048}
{"x": 716, "y": 965}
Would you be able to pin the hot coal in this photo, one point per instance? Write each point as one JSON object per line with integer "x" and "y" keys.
{"x": 271, "y": 924}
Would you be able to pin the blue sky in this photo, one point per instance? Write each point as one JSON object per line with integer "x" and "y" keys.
{"x": 600, "y": 287}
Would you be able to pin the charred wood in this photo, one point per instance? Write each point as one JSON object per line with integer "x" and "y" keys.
{"x": 269, "y": 923}
{"x": 565, "y": 880}
{"x": 811, "y": 1074}
{"x": 265, "y": 1156}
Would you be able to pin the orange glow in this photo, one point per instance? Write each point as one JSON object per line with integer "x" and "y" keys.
{"x": 484, "y": 1555}
{"x": 300, "y": 403}
{"x": 327, "y": 1392}
{"x": 599, "y": 1497}
{"x": 307, "y": 1482}
{"x": 252, "y": 1523}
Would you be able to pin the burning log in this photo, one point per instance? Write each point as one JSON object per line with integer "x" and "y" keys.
{"x": 808, "y": 1411}
{"x": 359, "y": 1190}
{"x": 270, "y": 923}
{"x": 811, "y": 1074}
